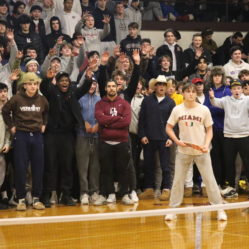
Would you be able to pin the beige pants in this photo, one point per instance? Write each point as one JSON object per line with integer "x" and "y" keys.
{"x": 203, "y": 162}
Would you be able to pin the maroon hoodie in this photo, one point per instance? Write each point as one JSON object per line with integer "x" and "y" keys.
{"x": 114, "y": 118}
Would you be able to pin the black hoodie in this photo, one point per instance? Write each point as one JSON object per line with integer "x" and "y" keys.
{"x": 54, "y": 35}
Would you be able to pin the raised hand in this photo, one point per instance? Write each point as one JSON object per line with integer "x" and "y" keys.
{"x": 93, "y": 64}
{"x": 48, "y": 3}
{"x": 52, "y": 52}
{"x": 122, "y": 57}
{"x": 15, "y": 74}
{"x": 211, "y": 93}
{"x": 152, "y": 51}
{"x": 75, "y": 51}
{"x": 106, "y": 19}
{"x": 136, "y": 56}
{"x": 89, "y": 73}
{"x": 50, "y": 73}
{"x": 104, "y": 58}
{"x": 80, "y": 39}
{"x": 59, "y": 40}
{"x": 10, "y": 34}
{"x": 19, "y": 54}
{"x": 116, "y": 51}
{"x": 84, "y": 15}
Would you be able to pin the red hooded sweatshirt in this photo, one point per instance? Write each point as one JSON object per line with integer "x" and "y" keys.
{"x": 114, "y": 118}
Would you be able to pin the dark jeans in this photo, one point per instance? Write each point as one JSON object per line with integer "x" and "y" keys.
{"x": 112, "y": 156}
{"x": 217, "y": 157}
{"x": 28, "y": 147}
{"x": 59, "y": 154}
{"x": 136, "y": 149}
{"x": 149, "y": 161}
{"x": 233, "y": 146}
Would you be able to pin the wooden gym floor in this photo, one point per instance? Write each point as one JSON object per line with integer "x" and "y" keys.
{"x": 135, "y": 233}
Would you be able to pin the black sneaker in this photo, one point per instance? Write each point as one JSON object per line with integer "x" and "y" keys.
{"x": 67, "y": 200}
{"x": 3, "y": 206}
{"x": 5, "y": 201}
{"x": 46, "y": 200}
{"x": 196, "y": 189}
{"x": 232, "y": 194}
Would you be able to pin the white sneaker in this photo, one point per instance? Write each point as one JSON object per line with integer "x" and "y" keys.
{"x": 100, "y": 201}
{"x": 133, "y": 196}
{"x": 170, "y": 217}
{"x": 226, "y": 190}
{"x": 29, "y": 198}
{"x": 111, "y": 198}
{"x": 126, "y": 200}
{"x": 94, "y": 197}
{"x": 54, "y": 197}
{"x": 221, "y": 215}
{"x": 84, "y": 199}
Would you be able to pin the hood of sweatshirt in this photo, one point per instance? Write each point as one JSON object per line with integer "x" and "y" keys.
{"x": 55, "y": 18}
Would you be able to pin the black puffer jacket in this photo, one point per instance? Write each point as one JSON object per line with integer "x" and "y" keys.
{"x": 33, "y": 39}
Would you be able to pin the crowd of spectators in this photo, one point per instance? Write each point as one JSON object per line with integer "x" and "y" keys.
{"x": 82, "y": 94}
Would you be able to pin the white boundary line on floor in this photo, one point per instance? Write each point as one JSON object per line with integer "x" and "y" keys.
{"x": 121, "y": 215}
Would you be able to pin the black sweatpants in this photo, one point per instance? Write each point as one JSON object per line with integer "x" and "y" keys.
{"x": 59, "y": 154}
{"x": 233, "y": 146}
{"x": 112, "y": 156}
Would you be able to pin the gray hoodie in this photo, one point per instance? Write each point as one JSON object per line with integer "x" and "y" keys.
{"x": 236, "y": 115}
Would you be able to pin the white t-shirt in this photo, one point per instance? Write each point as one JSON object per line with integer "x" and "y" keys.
{"x": 192, "y": 123}
{"x": 68, "y": 22}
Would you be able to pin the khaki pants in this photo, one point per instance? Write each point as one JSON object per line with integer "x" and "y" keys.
{"x": 203, "y": 162}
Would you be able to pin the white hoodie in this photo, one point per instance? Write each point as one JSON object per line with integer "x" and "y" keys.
{"x": 232, "y": 69}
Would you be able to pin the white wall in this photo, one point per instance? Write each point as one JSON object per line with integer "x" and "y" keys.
{"x": 157, "y": 38}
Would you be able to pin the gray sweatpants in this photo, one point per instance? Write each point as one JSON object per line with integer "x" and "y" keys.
{"x": 203, "y": 162}
{"x": 88, "y": 164}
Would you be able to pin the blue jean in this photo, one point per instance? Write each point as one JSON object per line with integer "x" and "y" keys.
{"x": 28, "y": 147}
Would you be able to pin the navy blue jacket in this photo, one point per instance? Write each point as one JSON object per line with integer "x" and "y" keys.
{"x": 153, "y": 117}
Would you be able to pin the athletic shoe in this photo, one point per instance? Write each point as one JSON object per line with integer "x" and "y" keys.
{"x": 37, "y": 204}
{"x": 226, "y": 190}
{"x": 84, "y": 199}
{"x": 94, "y": 197}
{"x": 46, "y": 200}
{"x": 133, "y": 196}
{"x": 126, "y": 200}
{"x": 188, "y": 191}
{"x": 54, "y": 197}
{"x": 111, "y": 198}
{"x": 196, "y": 189}
{"x": 21, "y": 205}
{"x": 29, "y": 198}
{"x": 170, "y": 217}
{"x": 3, "y": 206}
{"x": 5, "y": 201}
{"x": 165, "y": 195}
{"x": 221, "y": 215}
{"x": 229, "y": 193}
{"x": 100, "y": 201}
{"x": 147, "y": 194}
{"x": 157, "y": 193}
{"x": 67, "y": 200}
